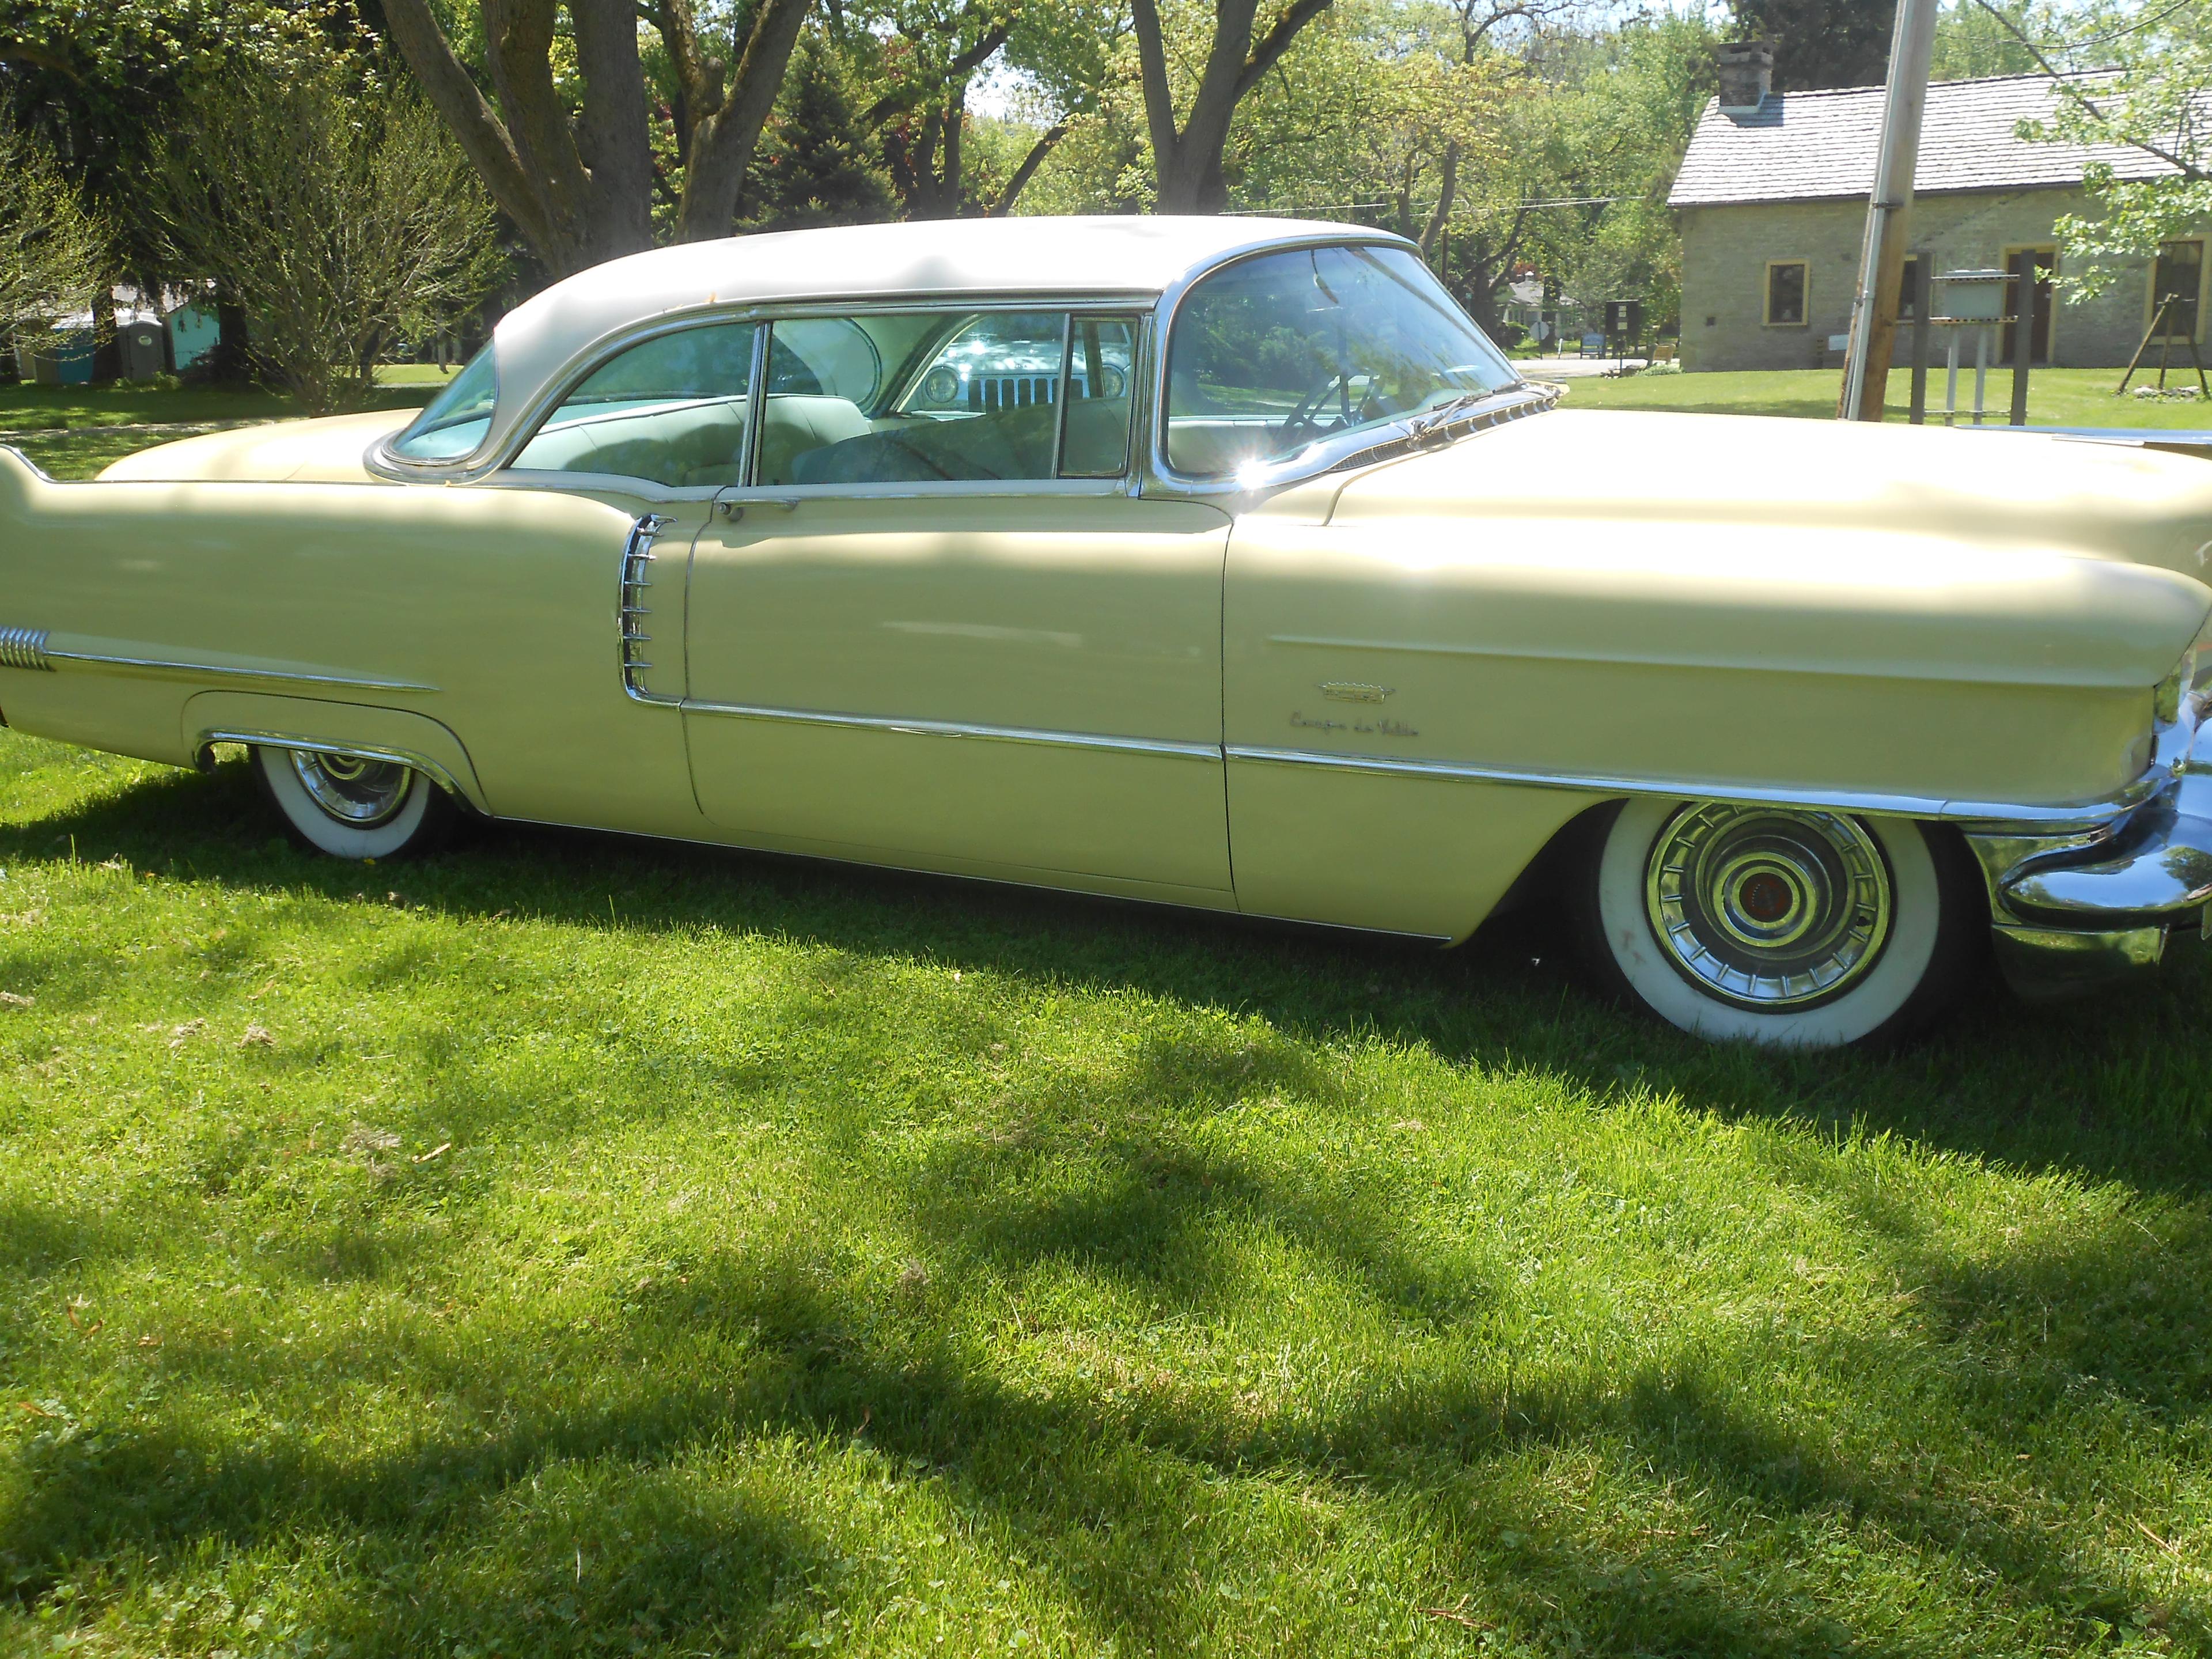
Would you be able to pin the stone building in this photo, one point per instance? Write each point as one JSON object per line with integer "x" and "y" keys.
{"x": 1771, "y": 201}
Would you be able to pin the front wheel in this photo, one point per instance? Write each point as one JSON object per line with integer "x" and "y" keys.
{"x": 1767, "y": 925}
{"x": 351, "y": 807}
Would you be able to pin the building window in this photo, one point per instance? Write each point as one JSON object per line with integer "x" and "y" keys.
{"x": 1785, "y": 294}
{"x": 2178, "y": 280}
{"x": 1909, "y": 294}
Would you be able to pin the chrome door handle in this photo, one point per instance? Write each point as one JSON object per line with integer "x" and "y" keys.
{"x": 730, "y": 512}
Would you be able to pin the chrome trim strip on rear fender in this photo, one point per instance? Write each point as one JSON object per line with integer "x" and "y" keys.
{"x": 164, "y": 669}
{"x": 2087, "y": 814}
{"x": 1205, "y": 751}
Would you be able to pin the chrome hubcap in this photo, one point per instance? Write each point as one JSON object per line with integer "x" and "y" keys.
{"x": 359, "y": 793}
{"x": 1769, "y": 910}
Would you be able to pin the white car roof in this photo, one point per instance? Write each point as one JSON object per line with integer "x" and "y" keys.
{"x": 1060, "y": 258}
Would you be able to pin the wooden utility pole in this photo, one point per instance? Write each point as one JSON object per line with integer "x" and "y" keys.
{"x": 2023, "y": 330}
{"x": 1881, "y": 257}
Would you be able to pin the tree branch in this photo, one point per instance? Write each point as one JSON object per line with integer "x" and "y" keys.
{"x": 1278, "y": 42}
{"x": 486, "y": 140}
{"x": 2082, "y": 101}
{"x": 1024, "y": 172}
{"x": 22, "y": 52}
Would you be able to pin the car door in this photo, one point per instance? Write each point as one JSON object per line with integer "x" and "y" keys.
{"x": 940, "y": 627}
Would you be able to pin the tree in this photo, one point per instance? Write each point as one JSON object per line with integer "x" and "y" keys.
{"x": 53, "y": 254}
{"x": 96, "y": 84}
{"x": 1187, "y": 155}
{"x": 343, "y": 216}
{"x": 2156, "y": 100}
{"x": 1821, "y": 43}
{"x": 813, "y": 167}
{"x": 577, "y": 176}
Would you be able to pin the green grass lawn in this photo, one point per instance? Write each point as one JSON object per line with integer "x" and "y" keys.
{"x": 2056, "y": 397}
{"x": 574, "y": 1245}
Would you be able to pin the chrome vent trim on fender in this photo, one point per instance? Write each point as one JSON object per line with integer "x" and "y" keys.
{"x": 24, "y": 648}
{"x": 631, "y": 610}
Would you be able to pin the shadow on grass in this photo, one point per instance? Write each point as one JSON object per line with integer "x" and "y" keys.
{"x": 615, "y": 1493}
{"x": 2110, "y": 1087}
{"x": 1134, "y": 1499}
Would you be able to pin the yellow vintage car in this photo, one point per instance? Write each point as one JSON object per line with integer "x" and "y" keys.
{"x": 1209, "y": 561}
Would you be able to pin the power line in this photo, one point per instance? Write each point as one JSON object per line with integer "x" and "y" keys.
{"x": 1423, "y": 209}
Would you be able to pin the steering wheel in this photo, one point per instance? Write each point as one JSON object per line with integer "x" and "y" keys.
{"x": 1306, "y": 417}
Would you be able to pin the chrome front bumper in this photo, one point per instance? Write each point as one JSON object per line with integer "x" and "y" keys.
{"x": 2074, "y": 910}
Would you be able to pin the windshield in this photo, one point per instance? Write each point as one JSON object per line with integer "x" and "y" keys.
{"x": 1273, "y": 353}
{"x": 458, "y": 418}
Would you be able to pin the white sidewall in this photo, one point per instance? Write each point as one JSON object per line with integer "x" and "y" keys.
{"x": 343, "y": 840}
{"x": 1859, "y": 1011}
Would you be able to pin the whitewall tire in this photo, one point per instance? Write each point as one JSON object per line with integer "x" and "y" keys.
{"x": 1778, "y": 926}
{"x": 353, "y": 808}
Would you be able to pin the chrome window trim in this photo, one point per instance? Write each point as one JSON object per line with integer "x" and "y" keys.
{"x": 484, "y": 462}
{"x": 1315, "y": 459}
{"x": 404, "y": 466}
{"x": 792, "y": 495}
{"x": 2085, "y": 815}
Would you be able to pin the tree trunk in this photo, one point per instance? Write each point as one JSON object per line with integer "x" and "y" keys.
{"x": 723, "y": 138}
{"x": 106, "y": 340}
{"x": 580, "y": 191}
{"x": 1187, "y": 161}
{"x": 1447, "y": 189}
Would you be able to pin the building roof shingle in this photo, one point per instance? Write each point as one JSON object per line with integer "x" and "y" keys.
{"x": 1819, "y": 146}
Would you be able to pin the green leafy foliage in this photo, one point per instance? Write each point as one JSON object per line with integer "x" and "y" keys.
{"x": 2156, "y": 98}
{"x": 1820, "y": 43}
{"x": 53, "y": 253}
{"x": 341, "y": 214}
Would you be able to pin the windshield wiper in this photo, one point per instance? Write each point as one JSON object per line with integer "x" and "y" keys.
{"x": 1433, "y": 426}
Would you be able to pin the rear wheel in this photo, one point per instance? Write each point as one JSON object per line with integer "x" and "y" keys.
{"x": 1770, "y": 924}
{"x": 352, "y": 807}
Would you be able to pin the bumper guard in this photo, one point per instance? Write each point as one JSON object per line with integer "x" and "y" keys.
{"x": 2073, "y": 911}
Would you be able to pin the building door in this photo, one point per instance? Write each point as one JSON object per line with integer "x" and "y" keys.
{"x": 2176, "y": 284}
{"x": 2046, "y": 267}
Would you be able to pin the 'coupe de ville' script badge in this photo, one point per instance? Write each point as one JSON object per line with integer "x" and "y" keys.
{"x": 1353, "y": 691}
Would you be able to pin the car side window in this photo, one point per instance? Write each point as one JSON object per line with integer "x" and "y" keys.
{"x": 671, "y": 410}
{"x": 1102, "y": 356}
{"x": 950, "y": 397}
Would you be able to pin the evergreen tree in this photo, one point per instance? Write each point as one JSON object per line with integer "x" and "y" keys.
{"x": 813, "y": 168}
{"x": 1821, "y": 43}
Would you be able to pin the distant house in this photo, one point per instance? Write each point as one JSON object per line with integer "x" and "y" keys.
{"x": 1771, "y": 201}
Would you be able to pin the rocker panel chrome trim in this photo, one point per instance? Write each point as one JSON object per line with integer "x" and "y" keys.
{"x": 2087, "y": 814}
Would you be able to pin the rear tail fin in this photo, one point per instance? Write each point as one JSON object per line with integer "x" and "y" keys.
{"x": 21, "y": 484}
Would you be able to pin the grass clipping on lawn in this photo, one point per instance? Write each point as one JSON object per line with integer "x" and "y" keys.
{"x": 578, "y": 1245}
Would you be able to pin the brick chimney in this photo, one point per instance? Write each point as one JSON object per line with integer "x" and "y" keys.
{"x": 1746, "y": 75}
